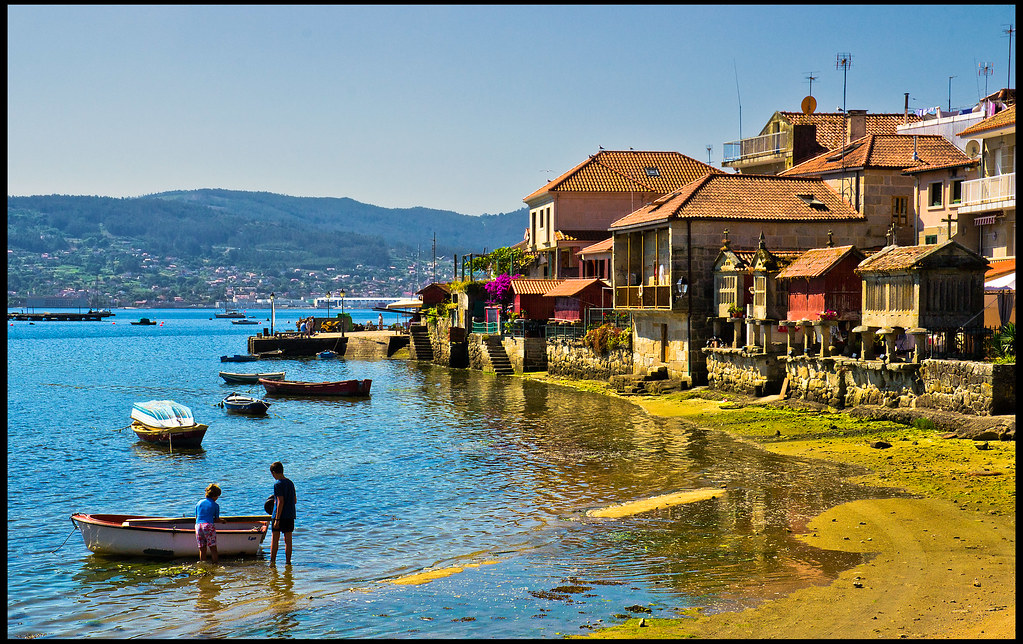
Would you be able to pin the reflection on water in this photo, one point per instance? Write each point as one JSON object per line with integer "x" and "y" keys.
{"x": 438, "y": 468}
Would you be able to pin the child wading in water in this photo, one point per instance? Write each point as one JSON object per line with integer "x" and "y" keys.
{"x": 207, "y": 513}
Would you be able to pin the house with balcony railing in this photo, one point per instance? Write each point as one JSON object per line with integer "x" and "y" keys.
{"x": 789, "y": 138}
{"x": 991, "y": 199}
{"x": 664, "y": 255}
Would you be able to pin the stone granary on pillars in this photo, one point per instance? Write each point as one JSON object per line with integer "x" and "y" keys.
{"x": 664, "y": 255}
{"x": 932, "y": 294}
{"x": 732, "y": 284}
{"x": 824, "y": 296}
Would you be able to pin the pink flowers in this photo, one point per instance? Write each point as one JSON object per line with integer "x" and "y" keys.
{"x": 829, "y": 315}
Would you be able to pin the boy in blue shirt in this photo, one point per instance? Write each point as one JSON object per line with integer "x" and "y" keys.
{"x": 207, "y": 513}
{"x": 283, "y": 517}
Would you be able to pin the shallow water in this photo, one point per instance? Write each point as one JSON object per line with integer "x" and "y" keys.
{"x": 439, "y": 468}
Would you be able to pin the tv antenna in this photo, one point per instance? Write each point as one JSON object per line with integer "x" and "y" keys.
{"x": 709, "y": 162}
{"x": 1008, "y": 75}
{"x": 843, "y": 61}
{"x": 737, "y": 96}
{"x": 985, "y": 70}
{"x": 810, "y": 77}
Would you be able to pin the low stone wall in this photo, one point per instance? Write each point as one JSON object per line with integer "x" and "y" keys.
{"x": 479, "y": 358}
{"x": 526, "y": 354}
{"x": 979, "y": 388}
{"x": 753, "y": 373}
{"x": 571, "y": 359}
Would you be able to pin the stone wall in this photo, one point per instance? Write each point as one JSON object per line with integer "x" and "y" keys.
{"x": 571, "y": 359}
{"x": 753, "y": 373}
{"x": 479, "y": 358}
{"x": 979, "y": 388}
{"x": 526, "y": 354}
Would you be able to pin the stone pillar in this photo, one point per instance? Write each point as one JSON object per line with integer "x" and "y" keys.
{"x": 806, "y": 337}
{"x": 919, "y": 336}
{"x": 751, "y": 332}
{"x": 766, "y": 327}
{"x": 889, "y": 341}
{"x": 825, "y": 331}
{"x": 788, "y": 336}
{"x": 866, "y": 341}
{"x": 736, "y": 332}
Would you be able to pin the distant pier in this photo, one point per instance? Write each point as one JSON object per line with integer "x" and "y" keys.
{"x": 47, "y": 316}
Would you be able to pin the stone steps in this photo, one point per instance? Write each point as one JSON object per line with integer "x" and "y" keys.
{"x": 498, "y": 357}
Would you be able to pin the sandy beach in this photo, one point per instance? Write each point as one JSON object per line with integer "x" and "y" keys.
{"x": 943, "y": 564}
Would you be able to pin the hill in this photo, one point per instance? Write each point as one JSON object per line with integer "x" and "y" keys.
{"x": 60, "y": 242}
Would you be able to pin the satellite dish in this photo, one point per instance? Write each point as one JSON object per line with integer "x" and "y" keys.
{"x": 808, "y": 105}
{"x": 973, "y": 149}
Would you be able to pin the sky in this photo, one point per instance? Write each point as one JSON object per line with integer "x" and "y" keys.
{"x": 463, "y": 108}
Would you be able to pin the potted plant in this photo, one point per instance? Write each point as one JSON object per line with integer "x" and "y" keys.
{"x": 829, "y": 315}
{"x": 734, "y": 311}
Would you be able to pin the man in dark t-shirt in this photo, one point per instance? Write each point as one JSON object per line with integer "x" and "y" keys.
{"x": 283, "y": 517}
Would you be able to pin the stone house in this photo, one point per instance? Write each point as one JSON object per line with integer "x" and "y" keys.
{"x": 595, "y": 260}
{"x": 868, "y": 173}
{"x": 574, "y": 210}
{"x": 789, "y": 138}
{"x": 938, "y": 194}
{"x": 664, "y": 255}
{"x": 927, "y": 292}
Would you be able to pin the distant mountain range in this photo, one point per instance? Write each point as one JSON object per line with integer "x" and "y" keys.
{"x": 259, "y": 232}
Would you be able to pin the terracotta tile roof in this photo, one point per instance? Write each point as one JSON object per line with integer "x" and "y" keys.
{"x": 894, "y": 258}
{"x": 817, "y": 261}
{"x": 533, "y": 286}
{"x": 600, "y": 247}
{"x": 572, "y": 287}
{"x": 579, "y": 235}
{"x": 831, "y": 125}
{"x": 628, "y": 171}
{"x": 1002, "y": 119}
{"x": 885, "y": 151}
{"x": 746, "y": 197}
{"x": 1000, "y": 267}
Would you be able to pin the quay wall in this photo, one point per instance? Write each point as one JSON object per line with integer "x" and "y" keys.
{"x": 572, "y": 359}
{"x": 974, "y": 388}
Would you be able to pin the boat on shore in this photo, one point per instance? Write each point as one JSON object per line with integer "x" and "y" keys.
{"x": 242, "y": 404}
{"x": 328, "y": 388}
{"x": 165, "y": 422}
{"x": 133, "y": 535}
{"x": 250, "y": 378}
{"x": 144, "y": 322}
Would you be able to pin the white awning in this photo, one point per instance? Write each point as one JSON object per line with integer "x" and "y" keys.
{"x": 406, "y": 304}
{"x": 1004, "y": 281}
{"x": 986, "y": 220}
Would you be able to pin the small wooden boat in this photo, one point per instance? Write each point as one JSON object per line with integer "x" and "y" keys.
{"x": 132, "y": 535}
{"x": 242, "y": 404}
{"x": 166, "y": 422}
{"x": 331, "y": 388}
{"x": 276, "y": 353}
{"x": 246, "y": 321}
{"x": 144, "y": 322}
{"x": 327, "y": 355}
{"x": 250, "y": 378}
{"x": 245, "y": 357}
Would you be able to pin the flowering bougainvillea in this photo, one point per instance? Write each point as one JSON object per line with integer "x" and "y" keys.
{"x": 499, "y": 290}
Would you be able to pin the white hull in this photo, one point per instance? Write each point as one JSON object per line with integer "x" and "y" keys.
{"x": 162, "y": 414}
{"x": 138, "y": 536}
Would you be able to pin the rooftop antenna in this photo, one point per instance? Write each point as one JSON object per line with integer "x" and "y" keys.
{"x": 1008, "y": 67}
{"x": 985, "y": 70}
{"x": 843, "y": 61}
{"x": 810, "y": 77}
{"x": 709, "y": 162}
{"x": 739, "y": 98}
{"x": 950, "y": 93}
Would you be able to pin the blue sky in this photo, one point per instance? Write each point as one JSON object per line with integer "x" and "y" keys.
{"x": 459, "y": 108}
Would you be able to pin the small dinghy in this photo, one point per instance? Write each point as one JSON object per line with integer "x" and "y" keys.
{"x": 133, "y": 535}
{"x": 242, "y": 404}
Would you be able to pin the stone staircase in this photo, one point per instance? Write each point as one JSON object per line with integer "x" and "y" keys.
{"x": 422, "y": 349}
{"x": 498, "y": 357}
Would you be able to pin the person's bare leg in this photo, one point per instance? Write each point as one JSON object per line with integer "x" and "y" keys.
{"x": 287, "y": 547}
{"x": 273, "y": 547}
{"x": 213, "y": 554}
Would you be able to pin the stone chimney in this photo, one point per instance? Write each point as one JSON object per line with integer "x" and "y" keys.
{"x": 856, "y": 125}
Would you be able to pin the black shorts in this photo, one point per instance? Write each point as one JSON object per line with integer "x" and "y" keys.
{"x": 286, "y": 525}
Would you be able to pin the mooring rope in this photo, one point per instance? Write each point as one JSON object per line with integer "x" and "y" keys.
{"x": 68, "y": 537}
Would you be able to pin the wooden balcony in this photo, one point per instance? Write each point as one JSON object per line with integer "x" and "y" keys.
{"x": 643, "y": 297}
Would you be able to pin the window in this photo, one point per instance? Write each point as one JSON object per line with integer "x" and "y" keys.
{"x": 900, "y": 211}
{"x": 759, "y": 290}
{"x": 726, "y": 290}
{"x": 934, "y": 196}
{"x": 930, "y": 239}
{"x": 957, "y": 192}
{"x": 652, "y": 172}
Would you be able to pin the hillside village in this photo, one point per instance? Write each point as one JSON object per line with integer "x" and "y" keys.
{"x": 869, "y": 237}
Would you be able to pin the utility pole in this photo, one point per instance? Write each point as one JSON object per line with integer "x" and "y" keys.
{"x": 1008, "y": 67}
{"x": 950, "y": 93}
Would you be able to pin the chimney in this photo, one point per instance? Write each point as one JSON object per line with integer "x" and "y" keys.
{"x": 905, "y": 110}
{"x": 857, "y": 124}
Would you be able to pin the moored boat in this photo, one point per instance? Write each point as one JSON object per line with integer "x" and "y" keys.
{"x": 244, "y": 357}
{"x": 166, "y": 422}
{"x": 242, "y": 404}
{"x": 144, "y": 322}
{"x": 329, "y": 388}
{"x": 246, "y": 321}
{"x": 135, "y": 535}
{"x": 230, "y": 313}
{"x": 250, "y": 378}
{"x": 171, "y": 436}
{"x": 327, "y": 355}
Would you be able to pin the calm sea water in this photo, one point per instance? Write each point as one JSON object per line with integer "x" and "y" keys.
{"x": 439, "y": 468}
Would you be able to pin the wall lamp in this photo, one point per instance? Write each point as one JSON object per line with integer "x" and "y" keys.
{"x": 682, "y": 286}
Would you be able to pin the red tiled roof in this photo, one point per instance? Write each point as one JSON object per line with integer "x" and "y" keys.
{"x": 627, "y": 171}
{"x": 1002, "y": 119}
{"x": 746, "y": 197}
{"x": 572, "y": 287}
{"x": 1000, "y": 267}
{"x": 885, "y": 151}
{"x": 816, "y": 261}
{"x": 895, "y": 258}
{"x": 600, "y": 247}
{"x": 831, "y": 125}
{"x": 533, "y": 286}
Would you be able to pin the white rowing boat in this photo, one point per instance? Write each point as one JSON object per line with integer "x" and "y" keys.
{"x": 133, "y": 535}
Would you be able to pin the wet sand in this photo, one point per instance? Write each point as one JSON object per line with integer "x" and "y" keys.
{"x": 944, "y": 564}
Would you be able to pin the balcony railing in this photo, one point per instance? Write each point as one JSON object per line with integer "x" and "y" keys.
{"x": 989, "y": 189}
{"x": 646, "y": 297}
{"x": 756, "y": 146}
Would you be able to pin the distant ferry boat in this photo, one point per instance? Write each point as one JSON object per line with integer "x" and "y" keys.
{"x": 230, "y": 313}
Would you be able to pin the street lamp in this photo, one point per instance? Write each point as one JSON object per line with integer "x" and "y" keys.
{"x": 273, "y": 314}
{"x": 341, "y": 294}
